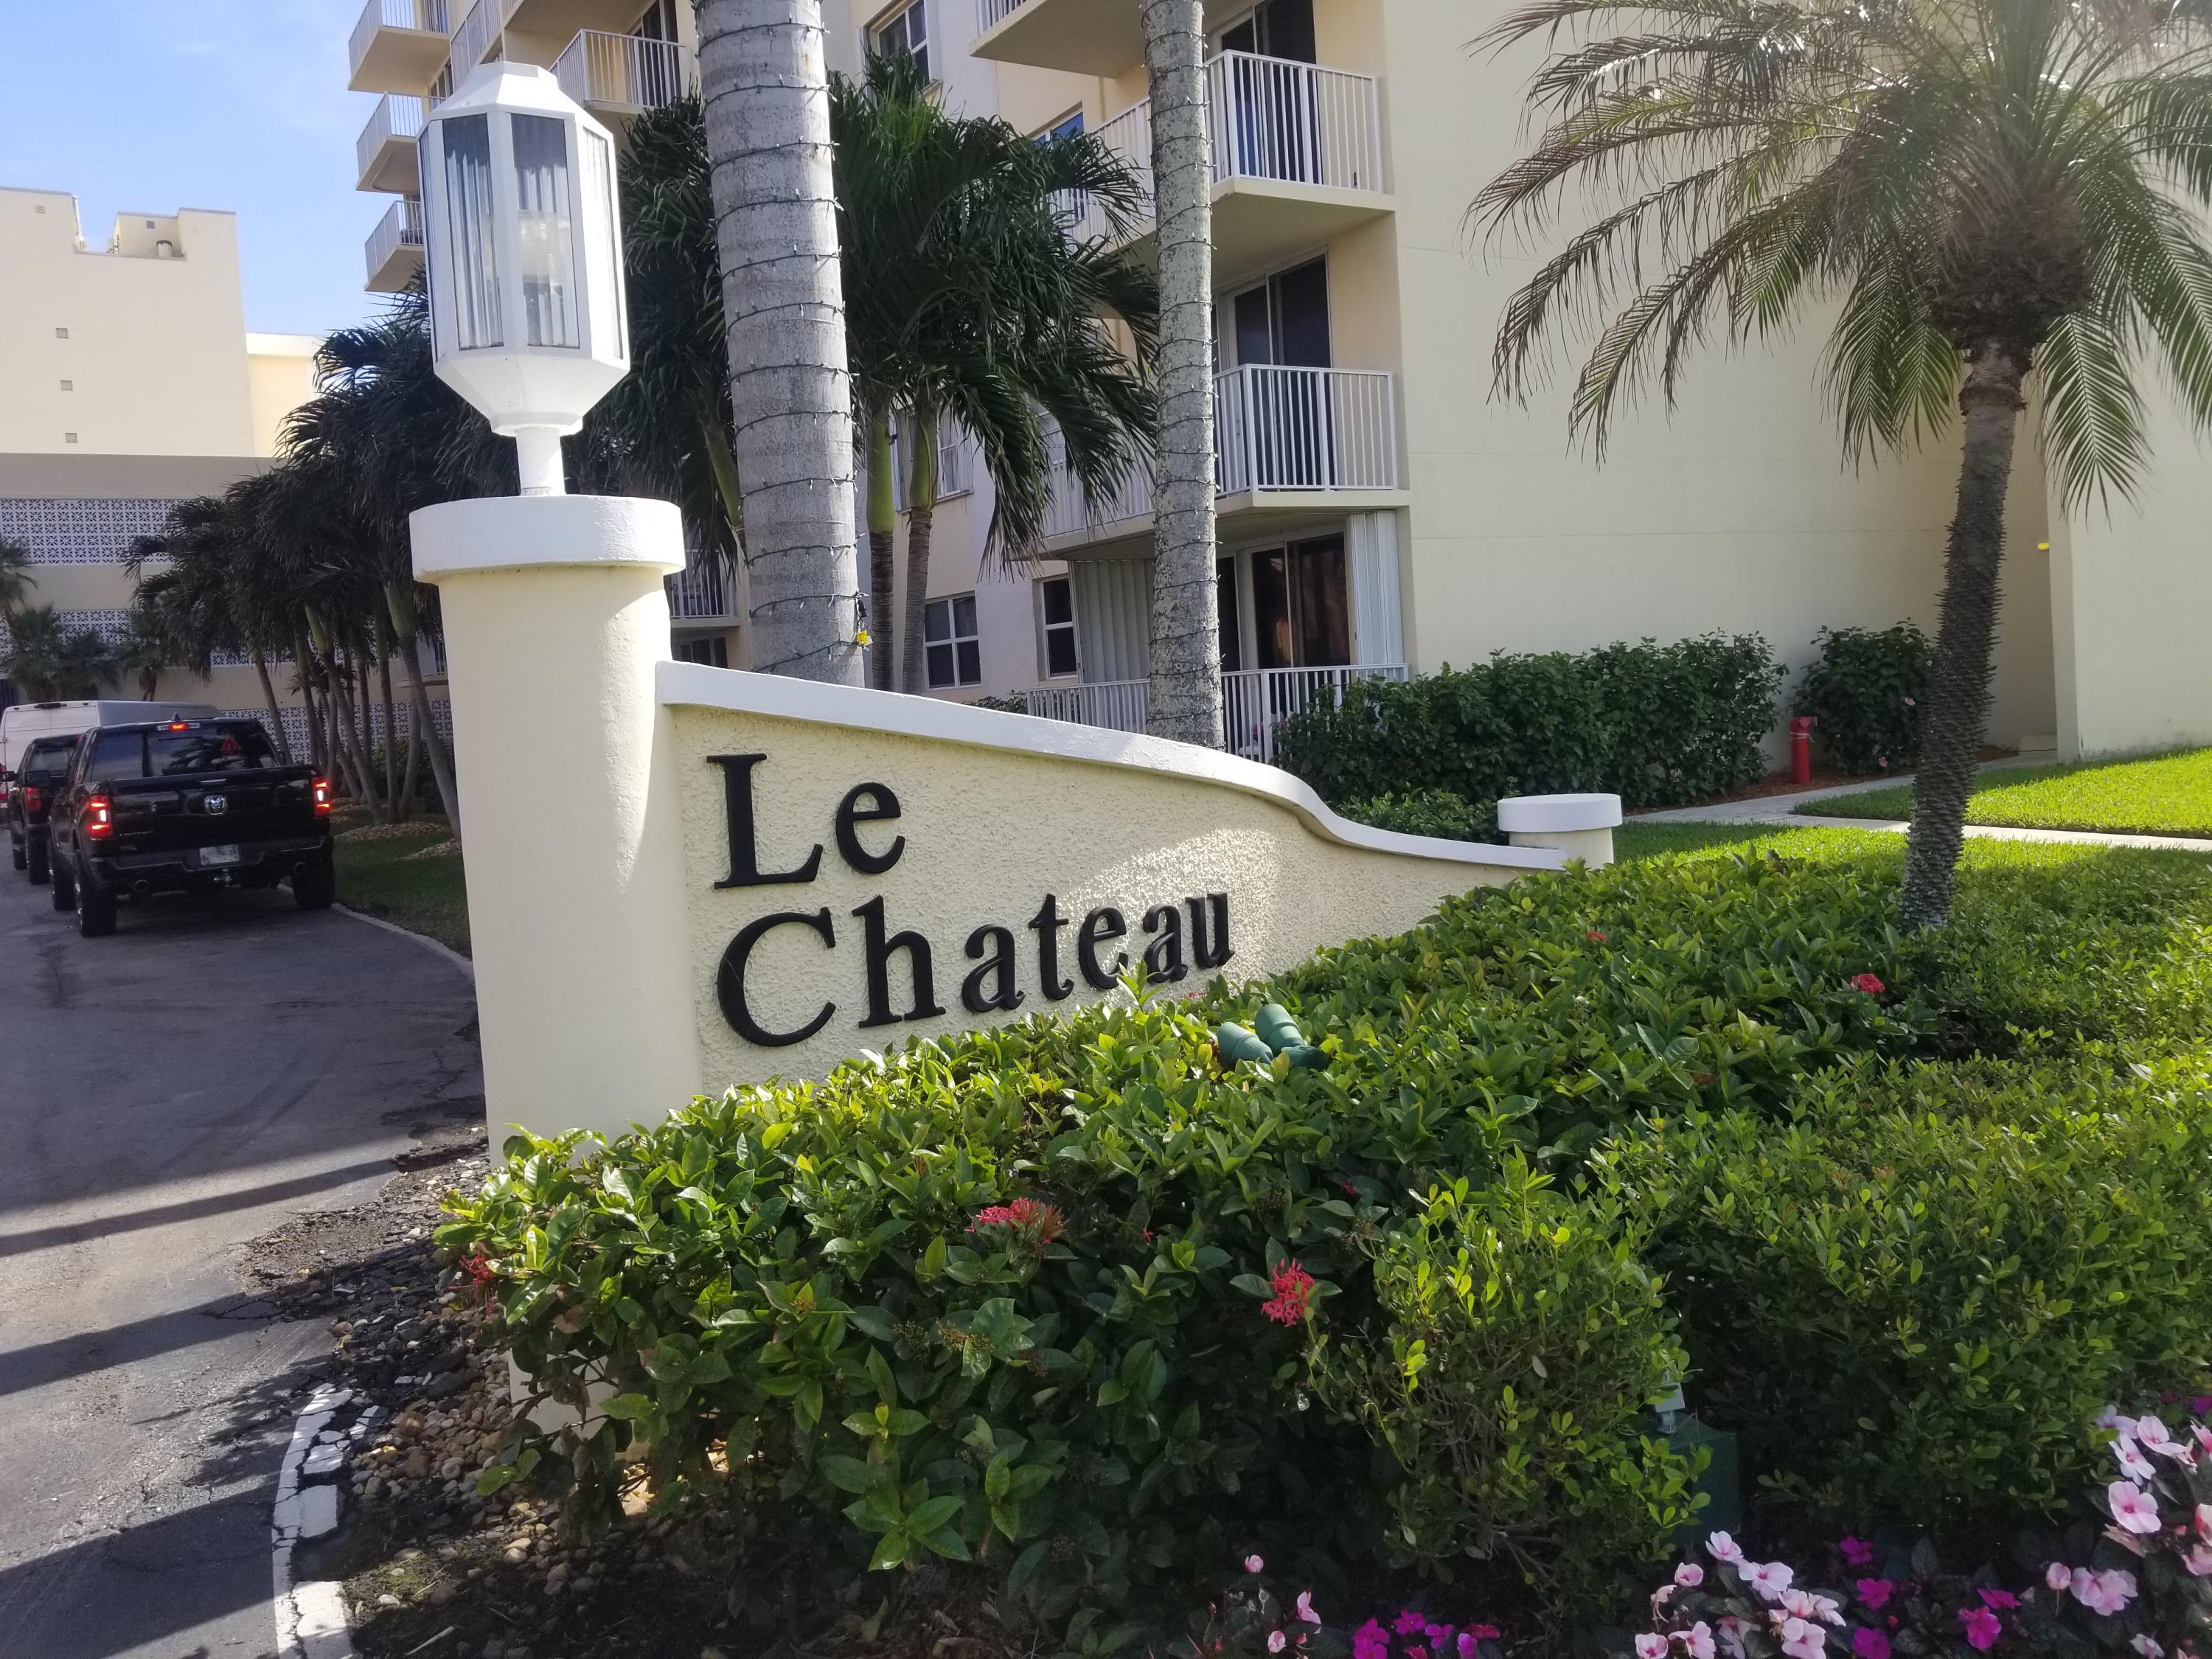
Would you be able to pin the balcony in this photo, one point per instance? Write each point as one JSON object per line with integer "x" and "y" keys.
{"x": 1088, "y": 37}
{"x": 397, "y": 45}
{"x": 394, "y": 249}
{"x": 1297, "y": 158}
{"x": 474, "y": 40}
{"x": 384, "y": 155}
{"x": 701, "y": 593}
{"x": 616, "y": 76}
{"x": 1290, "y": 446}
{"x": 1254, "y": 702}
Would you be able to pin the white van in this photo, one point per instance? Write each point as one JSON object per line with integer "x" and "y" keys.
{"x": 22, "y": 721}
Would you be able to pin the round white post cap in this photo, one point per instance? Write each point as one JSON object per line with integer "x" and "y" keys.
{"x": 535, "y": 532}
{"x": 1557, "y": 814}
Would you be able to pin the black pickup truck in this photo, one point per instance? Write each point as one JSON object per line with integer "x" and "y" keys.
{"x": 28, "y": 800}
{"x": 185, "y": 806}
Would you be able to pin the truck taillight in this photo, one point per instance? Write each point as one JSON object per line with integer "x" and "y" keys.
{"x": 32, "y": 799}
{"x": 99, "y": 818}
{"x": 322, "y": 792}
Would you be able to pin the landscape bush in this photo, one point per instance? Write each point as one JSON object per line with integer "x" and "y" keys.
{"x": 1865, "y": 692}
{"x": 1657, "y": 725}
{"x": 1428, "y": 812}
{"x": 1912, "y": 1296}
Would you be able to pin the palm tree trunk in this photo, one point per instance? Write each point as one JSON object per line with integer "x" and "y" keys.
{"x": 921, "y": 526}
{"x": 1185, "y": 690}
{"x": 399, "y": 597}
{"x": 764, "y": 83}
{"x": 1959, "y": 675}
{"x": 303, "y": 660}
{"x": 269, "y": 699}
{"x": 883, "y": 574}
{"x": 391, "y": 721}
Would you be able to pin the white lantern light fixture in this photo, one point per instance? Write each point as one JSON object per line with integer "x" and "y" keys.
{"x": 522, "y": 244}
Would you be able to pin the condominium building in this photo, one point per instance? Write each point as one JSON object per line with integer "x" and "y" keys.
{"x": 131, "y": 383}
{"x": 1380, "y": 511}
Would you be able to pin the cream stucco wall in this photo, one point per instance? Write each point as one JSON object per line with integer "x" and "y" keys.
{"x": 998, "y": 811}
{"x": 279, "y": 376}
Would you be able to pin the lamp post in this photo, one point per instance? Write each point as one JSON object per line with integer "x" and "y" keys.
{"x": 522, "y": 244}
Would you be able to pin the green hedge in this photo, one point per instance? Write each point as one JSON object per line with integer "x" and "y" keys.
{"x": 1657, "y": 725}
{"x": 1864, "y": 692}
{"x": 1914, "y": 1296}
{"x": 1427, "y": 812}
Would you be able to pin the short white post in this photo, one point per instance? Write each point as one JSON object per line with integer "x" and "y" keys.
{"x": 554, "y": 618}
{"x": 1580, "y": 826}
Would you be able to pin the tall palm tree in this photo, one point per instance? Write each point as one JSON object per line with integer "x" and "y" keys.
{"x": 210, "y": 596}
{"x": 765, "y": 88}
{"x": 968, "y": 302}
{"x": 16, "y": 581}
{"x": 1185, "y": 689}
{"x": 145, "y": 650}
{"x": 48, "y": 659}
{"x": 1989, "y": 192}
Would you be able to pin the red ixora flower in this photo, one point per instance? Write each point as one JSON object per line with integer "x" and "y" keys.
{"x": 1294, "y": 1288}
{"x": 1036, "y": 1224}
{"x": 1868, "y": 983}
{"x": 1592, "y": 934}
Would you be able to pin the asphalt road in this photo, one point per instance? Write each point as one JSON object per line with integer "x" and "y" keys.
{"x": 167, "y": 1094}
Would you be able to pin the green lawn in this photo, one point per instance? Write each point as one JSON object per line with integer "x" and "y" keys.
{"x": 381, "y": 877}
{"x": 2158, "y": 795}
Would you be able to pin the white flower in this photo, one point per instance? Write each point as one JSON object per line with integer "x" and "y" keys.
{"x": 1650, "y": 1647}
{"x": 2132, "y": 1462}
{"x": 1769, "y": 1578}
{"x": 2145, "y": 1646}
{"x": 1699, "y": 1639}
{"x": 1721, "y": 1547}
{"x": 1803, "y": 1604}
{"x": 2152, "y": 1433}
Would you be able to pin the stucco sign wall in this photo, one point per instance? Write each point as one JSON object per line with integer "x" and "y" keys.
{"x": 860, "y": 868}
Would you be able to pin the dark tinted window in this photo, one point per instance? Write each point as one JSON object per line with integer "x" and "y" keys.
{"x": 42, "y": 763}
{"x": 116, "y": 755}
{"x": 204, "y": 747}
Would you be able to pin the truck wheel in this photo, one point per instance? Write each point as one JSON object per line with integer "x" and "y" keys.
{"x": 40, "y": 860}
{"x": 315, "y": 884}
{"x": 95, "y": 910}
{"x": 64, "y": 892}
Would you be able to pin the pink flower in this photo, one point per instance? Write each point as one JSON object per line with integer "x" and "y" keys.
{"x": 1721, "y": 1547}
{"x": 1371, "y": 1641}
{"x": 1731, "y": 1633}
{"x": 1409, "y": 1622}
{"x": 1875, "y": 1592}
{"x": 1650, "y": 1647}
{"x": 2132, "y": 1507}
{"x": 2132, "y": 1462}
{"x": 1660, "y": 1597}
{"x": 1858, "y": 1551}
{"x": 1873, "y": 986}
{"x": 2200, "y": 1404}
{"x": 1998, "y": 1600}
{"x": 2198, "y": 1561}
{"x": 1803, "y": 1604}
{"x": 1689, "y": 1575}
{"x": 2152, "y": 1432}
{"x": 1769, "y": 1578}
{"x": 2110, "y": 1418}
{"x": 2104, "y": 1592}
{"x": 1983, "y": 1627}
{"x": 2146, "y": 1646}
{"x": 1277, "y": 1641}
{"x": 1483, "y": 1632}
{"x": 1467, "y": 1645}
{"x": 1697, "y": 1640}
{"x": 2058, "y": 1576}
{"x": 1869, "y": 1643}
{"x": 1294, "y": 1289}
{"x": 1801, "y": 1640}
{"x": 1033, "y": 1224}
{"x": 1305, "y": 1608}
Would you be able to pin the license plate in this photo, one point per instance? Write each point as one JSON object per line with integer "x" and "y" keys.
{"x": 212, "y": 856}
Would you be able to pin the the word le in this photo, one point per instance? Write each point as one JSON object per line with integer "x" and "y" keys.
{"x": 992, "y": 985}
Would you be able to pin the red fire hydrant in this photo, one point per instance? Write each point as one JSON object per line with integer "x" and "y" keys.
{"x": 1801, "y": 748}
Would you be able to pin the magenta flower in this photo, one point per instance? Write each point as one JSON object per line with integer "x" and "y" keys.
{"x": 1371, "y": 1641}
{"x": 1467, "y": 1645}
{"x": 1483, "y": 1632}
{"x": 1998, "y": 1600}
{"x": 2200, "y": 1404}
{"x": 1983, "y": 1628}
{"x": 1868, "y": 1643}
{"x": 1875, "y": 1592}
{"x": 1858, "y": 1551}
{"x": 2132, "y": 1507}
{"x": 1409, "y": 1622}
{"x": 1254, "y": 1564}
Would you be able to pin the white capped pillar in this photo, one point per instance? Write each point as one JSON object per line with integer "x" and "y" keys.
{"x": 1581, "y": 826}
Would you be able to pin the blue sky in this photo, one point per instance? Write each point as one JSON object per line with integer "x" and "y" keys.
{"x": 154, "y": 104}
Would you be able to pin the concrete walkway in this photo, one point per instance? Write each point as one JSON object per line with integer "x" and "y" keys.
{"x": 1780, "y": 810}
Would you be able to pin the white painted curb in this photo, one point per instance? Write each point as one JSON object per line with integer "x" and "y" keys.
{"x": 311, "y": 1621}
{"x": 450, "y": 955}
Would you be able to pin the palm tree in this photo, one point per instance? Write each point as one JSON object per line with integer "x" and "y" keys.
{"x": 766, "y": 93}
{"x": 146, "y": 650}
{"x": 1185, "y": 687}
{"x": 210, "y": 596}
{"x": 51, "y": 661}
{"x": 1984, "y": 190}
{"x": 968, "y": 302}
{"x": 16, "y": 581}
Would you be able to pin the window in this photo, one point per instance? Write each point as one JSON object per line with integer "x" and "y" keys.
{"x": 68, "y": 386}
{"x": 59, "y": 333}
{"x": 233, "y": 746}
{"x": 907, "y": 30}
{"x": 1068, "y": 126}
{"x": 116, "y": 755}
{"x": 954, "y": 655}
{"x": 69, "y": 437}
{"x": 1055, "y": 627}
{"x": 712, "y": 649}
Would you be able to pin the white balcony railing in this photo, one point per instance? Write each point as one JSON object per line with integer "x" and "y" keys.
{"x": 1274, "y": 428}
{"x": 1267, "y": 118}
{"x": 624, "y": 72}
{"x": 426, "y": 16}
{"x": 989, "y": 13}
{"x": 956, "y": 462}
{"x": 1254, "y": 700}
{"x": 400, "y": 227}
{"x": 472, "y": 41}
{"x": 701, "y": 592}
{"x": 395, "y": 116}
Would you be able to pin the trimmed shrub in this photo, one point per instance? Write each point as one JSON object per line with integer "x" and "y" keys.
{"x": 1913, "y": 1298}
{"x": 1656, "y": 725}
{"x": 1428, "y": 812}
{"x": 1864, "y": 694}
{"x": 1519, "y": 1347}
